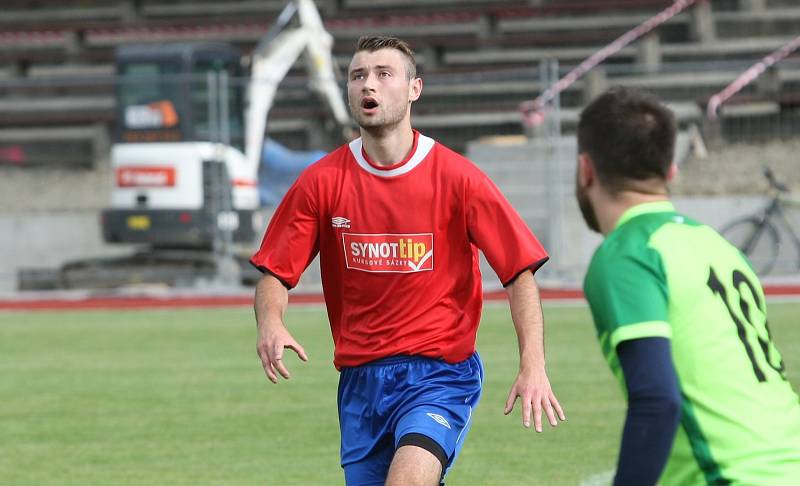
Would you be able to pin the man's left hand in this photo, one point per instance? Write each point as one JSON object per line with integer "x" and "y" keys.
{"x": 533, "y": 388}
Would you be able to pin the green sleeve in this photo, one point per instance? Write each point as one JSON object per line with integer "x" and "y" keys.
{"x": 628, "y": 295}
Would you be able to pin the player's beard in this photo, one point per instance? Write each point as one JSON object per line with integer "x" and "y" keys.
{"x": 585, "y": 205}
{"x": 388, "y": 116}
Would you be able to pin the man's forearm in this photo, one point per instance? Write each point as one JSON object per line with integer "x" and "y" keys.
{"x": 271, "y": 301}
{"x": 654, "y": 410}
{"x": 526, "y": 313}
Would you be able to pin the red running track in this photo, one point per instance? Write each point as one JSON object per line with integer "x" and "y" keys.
{"x": 245, "y": 300}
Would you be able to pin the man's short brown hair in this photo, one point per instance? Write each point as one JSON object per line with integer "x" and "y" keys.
{"x": 373, "y": 43}
{"x": 629, "y": 135}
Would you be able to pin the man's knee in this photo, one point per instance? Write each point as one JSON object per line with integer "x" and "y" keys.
{"x": 418, "y": 461}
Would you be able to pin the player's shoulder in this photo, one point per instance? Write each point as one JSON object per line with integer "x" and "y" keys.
{"x": 629, "y": 245}
{"x": 630, "y": 238}
{"x": 441, "y": 150}
{"x": 456, "y": 165}
{"x": 328, "y": 165}
{"x": 335, "y": 158}
{"x": 447, "y": 155}
{"x": 637, "y": 232}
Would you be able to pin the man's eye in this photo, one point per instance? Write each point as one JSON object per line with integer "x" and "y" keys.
{"x": 385, "y": 74}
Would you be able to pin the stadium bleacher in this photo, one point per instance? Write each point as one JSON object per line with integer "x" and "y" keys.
{"x": 479, "y": 58}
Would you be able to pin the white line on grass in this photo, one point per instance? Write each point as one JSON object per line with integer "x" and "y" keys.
{"x": 599, "y": 479}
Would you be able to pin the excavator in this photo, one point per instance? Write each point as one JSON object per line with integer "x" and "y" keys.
{"x": 187, "y": 154}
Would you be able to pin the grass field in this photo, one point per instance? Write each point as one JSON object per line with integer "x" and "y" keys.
{"x": 178, "y": 397}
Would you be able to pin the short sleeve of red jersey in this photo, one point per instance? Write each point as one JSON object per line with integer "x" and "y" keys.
{"x": 496, "y": 228}
{"x": 291, "y": 240}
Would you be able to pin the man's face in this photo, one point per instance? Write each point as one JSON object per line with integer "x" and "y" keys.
{"x": 584, "y": 203}
{"x": 378, "y": 90}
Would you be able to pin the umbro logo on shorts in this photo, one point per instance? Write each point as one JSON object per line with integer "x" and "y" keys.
{"x": 439, "y": 418}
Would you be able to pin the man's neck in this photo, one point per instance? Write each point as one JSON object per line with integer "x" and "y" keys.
{"x": 614, "y": 206}
{"x": 388, "y": 147}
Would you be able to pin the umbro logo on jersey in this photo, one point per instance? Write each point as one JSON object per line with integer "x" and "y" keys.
{"x": 340, "y": 222}
{"x": 439, "y": 419}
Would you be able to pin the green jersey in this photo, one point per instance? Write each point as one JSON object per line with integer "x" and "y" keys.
{"x": 660, "y": 274}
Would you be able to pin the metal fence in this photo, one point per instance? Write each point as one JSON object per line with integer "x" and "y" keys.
{"x": 53, "y": 123}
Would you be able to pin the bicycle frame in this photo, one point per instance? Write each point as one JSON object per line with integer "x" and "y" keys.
{"x": 776, "y": 211}
{"x": 758, "y": 235}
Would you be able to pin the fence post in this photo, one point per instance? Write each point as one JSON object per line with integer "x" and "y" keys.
{"x": 212, "y": 88}
{"x": 753, "y": 5}
{"x": 74, "y": 44}
{"x": 224, "y": 108}
{"x": 130, "y": 11}
{"x": 769, "y": 83}
{"x": 702, "y": 23}
{"x": 101, "y": 144}
{"x": 549, "y": 77}
{"x": 595, "y": 83}
{"x": 648, "y": 56}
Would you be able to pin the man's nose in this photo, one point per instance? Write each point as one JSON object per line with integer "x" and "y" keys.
{"x": 369, "y": 82}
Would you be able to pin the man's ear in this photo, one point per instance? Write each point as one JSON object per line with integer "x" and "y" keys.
{"x": 586, "y": 172}
{"x": 672, "y": 172}
{"x": 415, "y": 90}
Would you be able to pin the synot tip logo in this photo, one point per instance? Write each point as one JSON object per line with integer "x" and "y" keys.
{"x": 389, "y": 252}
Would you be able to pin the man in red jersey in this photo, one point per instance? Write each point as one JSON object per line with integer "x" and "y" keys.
{"x": 398, "y": 220}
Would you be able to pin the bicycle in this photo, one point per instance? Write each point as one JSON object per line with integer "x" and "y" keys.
{"x": 756, "y": 235}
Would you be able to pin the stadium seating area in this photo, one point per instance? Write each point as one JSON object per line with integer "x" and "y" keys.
{"x": 480, "y": 58}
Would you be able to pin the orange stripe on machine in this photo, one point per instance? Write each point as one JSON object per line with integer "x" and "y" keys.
{"x": 245, "y": 183}
{"x": 145, "y": 176}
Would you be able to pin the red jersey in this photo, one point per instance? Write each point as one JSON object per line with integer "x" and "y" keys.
{"x": 398, "y": 249}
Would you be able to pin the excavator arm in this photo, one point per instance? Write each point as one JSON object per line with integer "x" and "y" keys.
{"x": 273, "y": 58}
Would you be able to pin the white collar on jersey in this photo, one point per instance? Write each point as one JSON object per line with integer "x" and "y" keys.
{"x": 424, "y": 146}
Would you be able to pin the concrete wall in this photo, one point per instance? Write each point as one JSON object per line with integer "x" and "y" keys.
{"x": 538, "y": 178}
{"x": 52, "y": 220}
{"x": 47, "y": 240}
{"x": 37, "y": 239}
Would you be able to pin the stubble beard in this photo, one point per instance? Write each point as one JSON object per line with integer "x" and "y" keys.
{"x": 385, "y": 120}
{"x": 587, "y": 211}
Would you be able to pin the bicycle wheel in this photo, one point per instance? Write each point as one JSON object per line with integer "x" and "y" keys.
{"x": 758, "y": 241}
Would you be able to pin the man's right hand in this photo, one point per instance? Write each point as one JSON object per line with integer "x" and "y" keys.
{"x": 272, "y": 340}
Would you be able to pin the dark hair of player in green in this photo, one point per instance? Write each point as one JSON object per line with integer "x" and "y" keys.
{"x": 629, "y": 135}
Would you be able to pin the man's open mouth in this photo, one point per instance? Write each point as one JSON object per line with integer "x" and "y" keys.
{"x": 369, "y": 103}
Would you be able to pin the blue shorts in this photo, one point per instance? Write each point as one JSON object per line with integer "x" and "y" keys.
{"x": 403, "y": 400}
